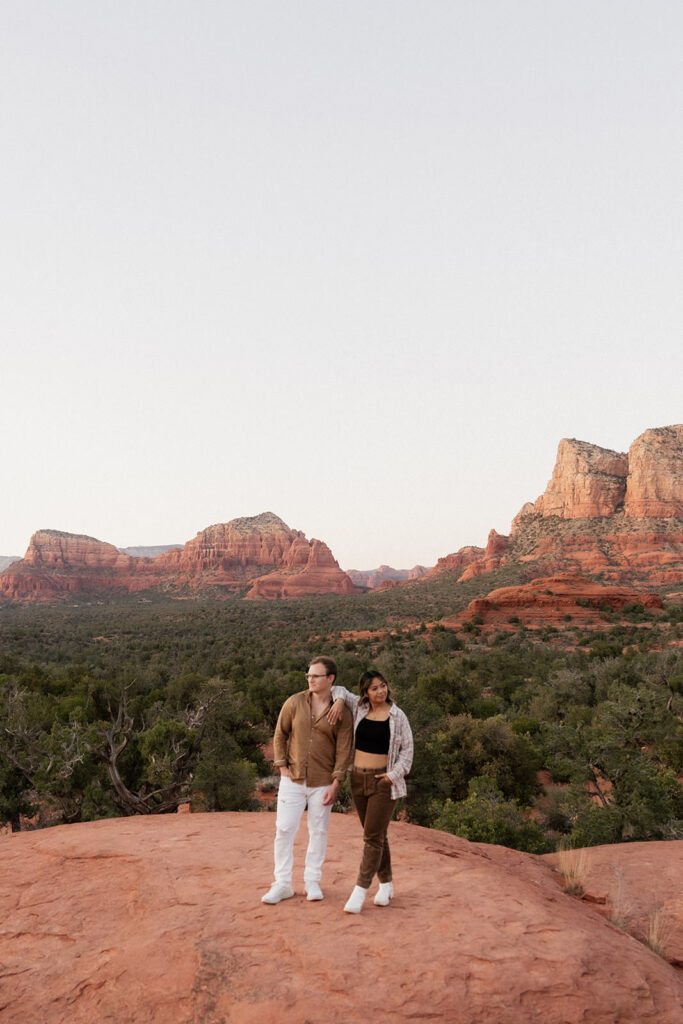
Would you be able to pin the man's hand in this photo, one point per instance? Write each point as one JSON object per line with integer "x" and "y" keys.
{"x": 336, "y": 711}
{"x": 285, "y": 772}
{"x": 330, "y": 794}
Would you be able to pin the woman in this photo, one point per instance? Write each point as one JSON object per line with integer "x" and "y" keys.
{"x": 382, "y": 759}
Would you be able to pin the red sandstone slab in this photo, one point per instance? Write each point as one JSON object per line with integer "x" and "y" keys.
{"x": 146, "y": 920}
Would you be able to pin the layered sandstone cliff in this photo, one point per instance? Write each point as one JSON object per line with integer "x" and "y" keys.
{"x": 654, "y": 488}
{"x": 58, "y": 563}
{"x": 320, "y": 574}
{"x": 587, "y": 481}
{"x": 604, "y": 513}
{"x": 225, "y": 558}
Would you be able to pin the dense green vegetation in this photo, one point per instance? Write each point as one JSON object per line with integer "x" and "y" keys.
{"x": 522, "y": 739}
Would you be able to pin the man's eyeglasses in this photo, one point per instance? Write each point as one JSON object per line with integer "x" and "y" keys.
{"x": 320, "y": 675}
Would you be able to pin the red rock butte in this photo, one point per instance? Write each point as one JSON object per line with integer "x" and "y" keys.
{"x": 158, "y": 920}
{"x": 259, "y": 556}
{"x": 610, "y": 514}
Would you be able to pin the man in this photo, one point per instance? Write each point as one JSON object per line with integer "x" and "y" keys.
{"x": 312, "y": 756}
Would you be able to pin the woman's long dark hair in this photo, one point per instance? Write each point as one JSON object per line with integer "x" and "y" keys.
{"x": 366, "y": 681}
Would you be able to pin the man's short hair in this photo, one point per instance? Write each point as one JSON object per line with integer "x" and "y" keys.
{"x": 329, "y": 663}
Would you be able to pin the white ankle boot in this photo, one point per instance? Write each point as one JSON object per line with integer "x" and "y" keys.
{"x": 356, "y": 900}
{"x": 384, "y": 894}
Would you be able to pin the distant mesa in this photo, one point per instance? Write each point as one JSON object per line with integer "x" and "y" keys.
{"x": 6, "y": 560}
{"x": 257, "y": 556}
{"x": 604, "y": 513}
{"x": 150, "y": 551}
{"x": 375, "y": 578}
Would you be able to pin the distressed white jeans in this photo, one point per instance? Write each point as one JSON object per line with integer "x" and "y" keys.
{"x": 292, "y": 799}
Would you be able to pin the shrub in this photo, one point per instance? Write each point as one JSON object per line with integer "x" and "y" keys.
{"x": 485, "y": 816}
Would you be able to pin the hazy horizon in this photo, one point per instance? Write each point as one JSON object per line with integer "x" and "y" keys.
{"x": 360, "y": 265}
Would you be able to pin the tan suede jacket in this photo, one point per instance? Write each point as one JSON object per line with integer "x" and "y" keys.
{"x": 314, "y": 751}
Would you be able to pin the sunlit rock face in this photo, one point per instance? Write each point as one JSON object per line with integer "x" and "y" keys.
{"x": 604, "y": 513}
{"x": 587, "y": 481}
{"x": 655, "y": 474}
{"x": 59, "y": 564}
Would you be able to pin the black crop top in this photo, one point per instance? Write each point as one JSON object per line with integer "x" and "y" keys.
{"x": 372, "y": 737}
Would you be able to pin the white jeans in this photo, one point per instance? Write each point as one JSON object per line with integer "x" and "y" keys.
{"x": 291, "y": 801}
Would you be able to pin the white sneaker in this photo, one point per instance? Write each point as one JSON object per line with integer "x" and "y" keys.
{"x": 278, "y": 891}
{"x": 313, "y": 891}
{"x": 384, "y": 894}
{"x": 355, "y": 902}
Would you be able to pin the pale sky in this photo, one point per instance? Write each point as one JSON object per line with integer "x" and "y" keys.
{"x": 361, "y": 263}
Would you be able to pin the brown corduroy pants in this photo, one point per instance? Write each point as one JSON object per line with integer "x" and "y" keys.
{"x": 373, "y": 801}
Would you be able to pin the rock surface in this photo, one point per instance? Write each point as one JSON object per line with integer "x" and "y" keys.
{"x": 159, "y": 921}
{"x": 639, "y": 883}
{"x": 58, "y": 564}
{"x": 549, "y": 599}
{"x": 587, "y": 481}
{"x": 639, "y": 552}
{"x": 603, "y": 513}
{"x": 320, "y": 574}
{"x": 459, "y": 561}
{"x": 224, "y": 558}
{"x": 494, "y": 555}
{"x": 655, "y": 474}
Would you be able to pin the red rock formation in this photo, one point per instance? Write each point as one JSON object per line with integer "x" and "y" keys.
{"x": 320, "y": 575}
{"x": 54, "y": 549}
{"x": 251, "y": 541}
{"x": 159, "y": 920}
{"x": 226, "y": 558}
{"x": 494, "y": 555}
{"x": 587, "y": 481}
{"x": 655, "y": 474}
{"x": 549, "y": 599}
{"x": 609, "y": 514}
{"x": 646, "y": 552}
{"x": 456, "y": 562}
{"x": 58, "y": 564}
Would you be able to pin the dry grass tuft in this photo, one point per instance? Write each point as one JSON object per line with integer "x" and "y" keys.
{"x": 573, "y": 865}
{"x": 617, "y": 909}
{"x": 658, "y": 931}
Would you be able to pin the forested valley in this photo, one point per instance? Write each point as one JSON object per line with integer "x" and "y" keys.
{"x": 533, "y": 739}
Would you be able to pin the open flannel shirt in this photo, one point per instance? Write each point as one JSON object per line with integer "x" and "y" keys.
{"x": 400, "y": 756}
